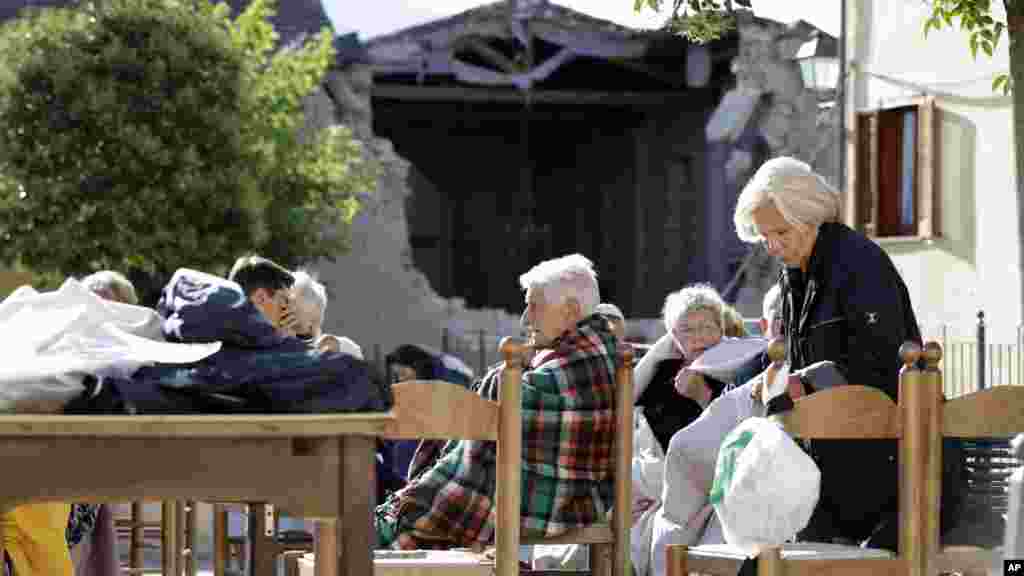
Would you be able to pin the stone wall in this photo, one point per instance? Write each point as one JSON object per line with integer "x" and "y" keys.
{"x": 788, "y": 119}
{"x": 377, "y": 296}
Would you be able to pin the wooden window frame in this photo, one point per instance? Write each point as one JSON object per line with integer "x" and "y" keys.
{"x": 862, "y": 178}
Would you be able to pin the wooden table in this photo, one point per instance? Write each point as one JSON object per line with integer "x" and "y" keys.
{"x": 313, "y": 466}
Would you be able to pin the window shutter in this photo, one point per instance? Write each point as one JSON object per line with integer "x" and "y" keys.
{"x": 927, "y": 225}
{"x": 871, "y": 199}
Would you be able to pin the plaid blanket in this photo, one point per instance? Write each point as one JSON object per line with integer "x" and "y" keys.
{"x": 568, "y": 404}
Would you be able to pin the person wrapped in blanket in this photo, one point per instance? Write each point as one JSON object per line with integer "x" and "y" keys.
{"x": 296, "y": 304}
{"x": 669, "y": 396}
{"x": 568, "y": 430}
{"x": 682, "y": 481}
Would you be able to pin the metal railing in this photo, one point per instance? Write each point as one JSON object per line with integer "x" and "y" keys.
{"x": 975, "y": 359}
{"x": 478, "y": 349}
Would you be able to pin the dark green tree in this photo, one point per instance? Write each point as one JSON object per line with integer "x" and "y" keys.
{"x": 146, "y": 135}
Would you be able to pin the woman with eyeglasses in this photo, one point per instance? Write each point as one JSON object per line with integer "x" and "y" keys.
{"x": 671, "y": 397}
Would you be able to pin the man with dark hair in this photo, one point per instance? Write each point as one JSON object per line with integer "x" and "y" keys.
{"x": 267, "y": 284}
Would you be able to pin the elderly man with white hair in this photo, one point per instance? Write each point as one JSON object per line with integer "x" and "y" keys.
{"x": 309, "y": 300}
{"x": 568, "y": 402}
{"x": 846, "y": 312}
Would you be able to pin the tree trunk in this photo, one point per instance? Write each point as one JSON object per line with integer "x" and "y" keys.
{"x": 1015, "y": 29}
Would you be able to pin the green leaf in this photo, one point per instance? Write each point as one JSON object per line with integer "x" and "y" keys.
{"x": 87, "y": 137}
{"x": 974, "y": 46}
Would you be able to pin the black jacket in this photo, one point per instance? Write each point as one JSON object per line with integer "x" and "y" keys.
{"x": 853, "y": 309}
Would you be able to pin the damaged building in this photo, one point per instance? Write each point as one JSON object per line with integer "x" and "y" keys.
{"x": 512, "y": 133}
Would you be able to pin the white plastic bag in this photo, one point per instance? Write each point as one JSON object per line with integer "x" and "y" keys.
{"x": 765, "y": 486}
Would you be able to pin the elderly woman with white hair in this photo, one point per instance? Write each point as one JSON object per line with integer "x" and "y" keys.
{"x": 668, "y": 397}
{"x": 694, "y": 321}
{"x": 568, "y": 399}
{"x": 846, "y": 312}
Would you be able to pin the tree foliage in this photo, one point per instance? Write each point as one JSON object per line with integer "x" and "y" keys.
{"x": 976, "y": 18}
{"x": 698, "y": 20}
{"x": 147, "y": 135}
{"x": 706, "y": 20}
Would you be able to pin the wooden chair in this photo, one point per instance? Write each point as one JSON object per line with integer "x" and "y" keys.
{"x": 920, "y": 422}
{"x": 176, "y": 530}
{"x": 440, "y": 410}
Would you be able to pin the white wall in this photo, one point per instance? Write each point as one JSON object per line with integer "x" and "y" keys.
{"x": 974, "y": 265}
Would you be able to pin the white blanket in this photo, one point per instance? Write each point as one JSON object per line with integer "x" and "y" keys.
{"x": 52, "y": 340}
{"x": 686, "y": 517}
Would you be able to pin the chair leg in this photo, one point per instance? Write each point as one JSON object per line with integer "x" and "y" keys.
{"x": 601, "y": 563}
{"x": 137, "y": 520}
{"x": 169, "y": 539}
{"x": 220, "y": 539}
{"x": 675, "y": 562}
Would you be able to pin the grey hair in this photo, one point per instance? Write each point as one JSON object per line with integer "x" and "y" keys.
{"x": 803, "y": 197}
{"x": 772, "y": 301}
{"x": 562, "y": 278}
{"x": 310, "y": 300}
{"x": 111, "y": 285}
{"x": 691, "y": 298}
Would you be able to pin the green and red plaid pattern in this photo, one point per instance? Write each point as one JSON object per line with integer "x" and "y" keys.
{"x": 568, "y": 404}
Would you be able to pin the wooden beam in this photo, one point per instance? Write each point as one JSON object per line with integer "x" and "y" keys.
{"x": 490, "y": 54}
{"x": 473, "y": 94}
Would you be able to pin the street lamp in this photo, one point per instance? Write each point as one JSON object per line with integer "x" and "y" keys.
{"x": 819, "y": 64}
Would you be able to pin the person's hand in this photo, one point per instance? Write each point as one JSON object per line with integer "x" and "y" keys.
{"x": 328, "y": 343}
{"x": 794, "y": 386}
{"x": 641, "y": 506}
{"x": 693, "y": 385}
{"x": 288, "y": 323}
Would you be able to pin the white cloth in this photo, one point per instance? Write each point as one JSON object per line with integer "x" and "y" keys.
{"x": 52, "y": 340}
{"x": 648, "y": 474}
{"x": 690, "y": 470}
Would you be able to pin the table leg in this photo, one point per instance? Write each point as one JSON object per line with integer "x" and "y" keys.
{"x": 357, "y": 493}
{"x": 325, "y": 547}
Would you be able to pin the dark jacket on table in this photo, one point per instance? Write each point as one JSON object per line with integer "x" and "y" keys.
{"x": 850, "y": 308}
